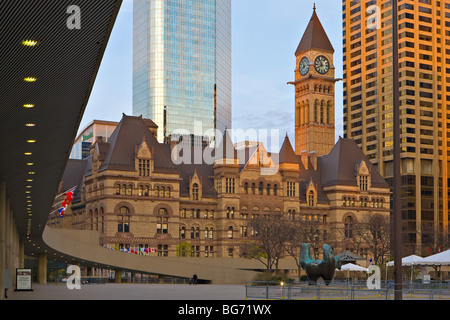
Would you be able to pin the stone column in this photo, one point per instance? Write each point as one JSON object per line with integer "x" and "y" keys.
{"x": 42, "y": 266}
{"x": 117, "y": 276}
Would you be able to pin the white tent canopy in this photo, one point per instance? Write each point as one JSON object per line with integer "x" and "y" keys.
{"x": 411, "y": 260}
{"x": 352, "y": 267}
{"x": 439, "y": 259}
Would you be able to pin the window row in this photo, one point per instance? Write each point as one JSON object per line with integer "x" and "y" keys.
{"x": 349, "y": 201}
{"x": 143, "y": 191}
{"x": 251, "y": 189}
{"x": 197, "y": 213}
{"x": 195, "y": 233}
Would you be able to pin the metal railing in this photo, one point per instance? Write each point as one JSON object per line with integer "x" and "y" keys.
{"x": 337, "y": 290}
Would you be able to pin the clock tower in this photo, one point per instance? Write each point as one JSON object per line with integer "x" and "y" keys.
{"x": 314, "y": 91}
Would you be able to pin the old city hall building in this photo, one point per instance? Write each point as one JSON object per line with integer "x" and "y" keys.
{"x": 134, "y": 191}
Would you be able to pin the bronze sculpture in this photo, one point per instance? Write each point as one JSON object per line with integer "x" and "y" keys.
{"x": 324, "y": 268}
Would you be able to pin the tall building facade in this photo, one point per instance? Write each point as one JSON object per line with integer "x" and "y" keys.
{"x": 424, "y": 64}
{"x": 182, "y": 65}
{"x": 97, "y": 129}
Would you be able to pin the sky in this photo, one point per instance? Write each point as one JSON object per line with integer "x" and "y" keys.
{"x": 265, "y": 35}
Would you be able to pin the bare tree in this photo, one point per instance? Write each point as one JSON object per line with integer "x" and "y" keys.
{"x": 376, "y": 236}
{"x": 270, "y": 237}
{"x": 432, "y": 240}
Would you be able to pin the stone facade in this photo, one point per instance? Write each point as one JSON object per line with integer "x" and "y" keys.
{"x": 204, "y": 209}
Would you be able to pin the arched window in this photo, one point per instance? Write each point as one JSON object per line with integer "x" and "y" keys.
{"x": 183, "y": 232}
{"x": 268, "y": 189}
{"x": 206, "y": 232}
{"x": 95, "y": 220}
{"x": 197, "y": 233}
{"x": 90, "y": 219}
{"x": 260, "y": 188}
{"x": 230, "y": 232}
{"x": 141, "y": 191}
{"x": 275, "y": 190}
{"x": 316, "y": 103}
{"x": 322, "y": 107}
{"x": 130, "y": 190}
{"x": 311, "y": 198}
{"x": 157, "y": 191}
{"x": 167, "y": 195}
{"x": 348, "y": 228}
{"x": 123, "y": 189}
{"x": 123, "y": 224}
{"x": 162, "y": 192}
{"x": 246, "y": 188}
{"x": 210, "y": 235}
{"x": 253, "y": 188}
{"x": 147, "y": 191}
{"x": 102, "y": 220}
{"x": 195, "y": 191}
{"x": 118, "y": 189}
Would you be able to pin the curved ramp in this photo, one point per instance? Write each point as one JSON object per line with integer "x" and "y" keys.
{"x": 83, "y": 245}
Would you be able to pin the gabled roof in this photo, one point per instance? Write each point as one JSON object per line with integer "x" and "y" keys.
{"x": 314, "y": 37}
{"x": 287, "y": 154}
{"x": 338, "y": 167}
{"x": 130, "y": 133}
{"x": 204, "y": 171}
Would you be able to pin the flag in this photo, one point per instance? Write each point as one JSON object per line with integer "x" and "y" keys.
{"x": 61, "y": 211}
{"x": 371, "y": 261}
{"x": 68, "y": 199}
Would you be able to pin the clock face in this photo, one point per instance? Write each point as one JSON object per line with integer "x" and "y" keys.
{"x": 304, "y": 66}
{"x": 321, "y": 64}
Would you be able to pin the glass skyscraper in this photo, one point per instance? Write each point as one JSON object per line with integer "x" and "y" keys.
{"x": 182, "y": 64}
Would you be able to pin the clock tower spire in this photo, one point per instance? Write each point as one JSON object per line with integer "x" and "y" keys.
{"x": 314, "y": 91}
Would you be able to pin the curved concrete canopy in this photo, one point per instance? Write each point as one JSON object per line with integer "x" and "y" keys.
{"x": 64, "y": 62}
{"x": 83, "y": 245}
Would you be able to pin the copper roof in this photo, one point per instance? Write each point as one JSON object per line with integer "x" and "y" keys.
{"x": 314, "y": 37}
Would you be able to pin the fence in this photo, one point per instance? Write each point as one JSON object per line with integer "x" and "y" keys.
{"x": 336, "y": 290}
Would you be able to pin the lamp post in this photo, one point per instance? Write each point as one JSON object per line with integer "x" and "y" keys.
{"x": 397, "y": 206}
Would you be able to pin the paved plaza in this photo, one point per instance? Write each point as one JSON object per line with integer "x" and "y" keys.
{"x": 125, "y": 291}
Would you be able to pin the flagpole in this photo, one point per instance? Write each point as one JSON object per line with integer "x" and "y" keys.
{"x": 397, "y": 209}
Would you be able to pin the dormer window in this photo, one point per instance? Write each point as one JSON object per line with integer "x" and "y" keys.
{"x": 363, "y": 176}
{"x": 194, "y": 191}
{"x": 144, "y": 167}
{"x": 311, "y": 198}
{"x": 363, "y": 183}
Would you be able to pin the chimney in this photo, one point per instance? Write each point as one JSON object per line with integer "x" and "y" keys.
{"x": 313, "y": 158}
{"x": 305, "y": 158}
